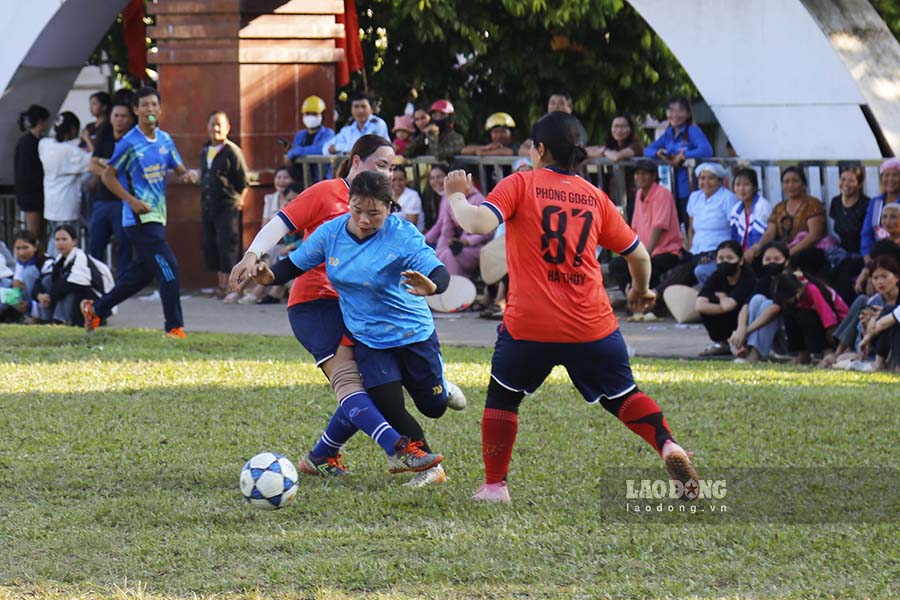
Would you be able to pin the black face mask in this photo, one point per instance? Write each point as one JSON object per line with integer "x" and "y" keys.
{"x": 727, "y": 268}
{"x": 773, "y": 269}
{"x": 441, "y": 123}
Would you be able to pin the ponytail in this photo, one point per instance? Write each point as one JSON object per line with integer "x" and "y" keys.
{"x": 563, "y": 137}
{"x": 31, "y": 117}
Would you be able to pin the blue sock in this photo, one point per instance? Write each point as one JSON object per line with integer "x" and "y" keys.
{"x": 362, "y": 412}
{"x": 339, "y": 430}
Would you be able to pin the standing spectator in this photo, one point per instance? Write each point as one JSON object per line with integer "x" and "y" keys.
{"x": 364, "y": 122}
{"x": 758, "y": 322}
{"x": 889, "y": 171}
{"x": 848, "y": 212}
{"x": 458, "y": 250}
{"x": 499, "y": 127}
{"x": 64, "y": 164}
{"x": 560, "y": 102}
{"x": 727, "y": 289}
{"x": 29, "y": 172}
{"x": 99, "y": 105}
{"x": 799, "y": 219}
{"x": 407, "y": 199}
{"x": 310, "y": 141}
{"x": 749, "y": 217}
{"x": 708, "y": 209}
{"x": 223, "y": 177}
{"x": 434, "y": 191}
{"x": 811, "y": 312}
{"x": 655, "y": 221}
{"x": 439, "y": 139}
{"x": 141, "y": 160}
{"x": 403, "y": 131}
{"x": 106, "y": 212}
{"x": 680, "y": 141}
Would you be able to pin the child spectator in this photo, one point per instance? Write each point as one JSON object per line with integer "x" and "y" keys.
{"x": 407, "y": 199}
{"x": 29, "y": 173}
{"x": 74, "y": 276}
{"x": 811, "y": 312}
{"x": 499, "y": 127}
{"x": 64, "y": 164}
{"x": 722, "y": 296}
{"x": 758, "y": 322}
{"x": 28, "y": 264}
{"x": 310, "y": 141}
{"x": 223, "y": 177}
{"x": 403, "y": 131}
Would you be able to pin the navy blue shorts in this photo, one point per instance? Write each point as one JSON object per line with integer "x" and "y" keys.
{"x": 599, "y": 369}
{"x": 318, "y": 326}
{"x": 419, "y": 367}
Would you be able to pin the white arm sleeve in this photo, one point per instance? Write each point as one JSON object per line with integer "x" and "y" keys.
{"x": 268, "y": 236}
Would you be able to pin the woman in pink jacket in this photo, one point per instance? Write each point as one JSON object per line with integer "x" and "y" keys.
{"x": 458, "y": 250}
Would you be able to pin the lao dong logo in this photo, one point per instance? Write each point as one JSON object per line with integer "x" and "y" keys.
{"x": 657, "y": 489}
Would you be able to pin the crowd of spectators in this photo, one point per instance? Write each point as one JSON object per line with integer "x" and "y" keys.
{"x": 765, "y": 280}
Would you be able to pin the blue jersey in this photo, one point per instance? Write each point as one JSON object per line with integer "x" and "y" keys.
{"x": 141, "y": 166}
{"x": 377, "y": 309}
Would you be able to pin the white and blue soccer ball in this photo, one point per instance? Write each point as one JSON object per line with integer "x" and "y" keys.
{"x": 269, "y": 481}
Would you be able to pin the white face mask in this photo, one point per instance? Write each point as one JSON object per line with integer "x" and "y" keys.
{"x": 312, "y": 121}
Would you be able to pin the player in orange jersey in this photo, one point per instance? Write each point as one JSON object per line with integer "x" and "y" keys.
{"x": 557, "y": 310}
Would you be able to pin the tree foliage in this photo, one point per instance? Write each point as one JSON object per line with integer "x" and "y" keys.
{"x": 510, "y": 55}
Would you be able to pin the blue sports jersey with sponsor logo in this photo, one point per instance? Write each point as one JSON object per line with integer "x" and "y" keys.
{"x": 141, "y": 165}
{"x": 377, "y": 309}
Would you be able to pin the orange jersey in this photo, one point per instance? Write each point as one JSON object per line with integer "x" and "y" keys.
{"x": 315, "y": 205}
{"x": 554, "y": 225}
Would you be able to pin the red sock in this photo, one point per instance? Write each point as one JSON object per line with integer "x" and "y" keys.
{"x": 498, "y": 436}
{"x": 643, "y": 416}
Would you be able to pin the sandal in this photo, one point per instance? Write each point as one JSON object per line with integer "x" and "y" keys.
{"x": 494, "y": 312}
{"x": 477, "y": 306}
{"x": 716, "y": 349}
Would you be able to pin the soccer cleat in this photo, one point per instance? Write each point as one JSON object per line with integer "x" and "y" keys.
{"x": 434, "y": 475}
{"x": 410, "y": 457}
{"x": 91, "y": 320}
{"x": 326, "y": 466}
{"x": 492, "y": 492}
{"x": 456, "y": 400}
{"x": 678, "y": 464}
{"x": 177, "y": 333}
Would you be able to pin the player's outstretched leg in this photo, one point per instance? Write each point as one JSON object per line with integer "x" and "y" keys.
{"x": 499, "y": 427}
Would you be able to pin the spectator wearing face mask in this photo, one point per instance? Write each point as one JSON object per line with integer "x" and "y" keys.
{"x": 720, "y": 300}
{"x": 310, "y": 141}
{"x": 758, "y": 322}
{"x": 438, "y": 137}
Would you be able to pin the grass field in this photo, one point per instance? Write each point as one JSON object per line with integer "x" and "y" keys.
{"x": 120, "y": 454}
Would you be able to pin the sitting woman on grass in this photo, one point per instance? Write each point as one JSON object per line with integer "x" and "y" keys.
{"x": 811, "y": 312}
{"x": 720, "y": 300}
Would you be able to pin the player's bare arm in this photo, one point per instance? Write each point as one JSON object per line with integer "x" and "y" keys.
{"x": 473, "y": 219}
{"x": 111, "y": 181}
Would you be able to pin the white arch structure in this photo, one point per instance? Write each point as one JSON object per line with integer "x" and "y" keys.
{"x": 789, "y": 79}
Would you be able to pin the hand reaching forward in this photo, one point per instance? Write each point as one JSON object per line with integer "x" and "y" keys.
{"x": 418, "y": 284}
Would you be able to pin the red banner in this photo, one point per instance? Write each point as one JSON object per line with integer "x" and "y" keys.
{"x": 135, "y": 38}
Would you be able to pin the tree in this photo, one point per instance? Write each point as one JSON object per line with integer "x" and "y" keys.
{"x": 510, "y": 55}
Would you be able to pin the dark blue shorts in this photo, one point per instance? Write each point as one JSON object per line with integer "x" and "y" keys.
{"x": 318, "y": 326}
{"x": 419, "y": 367}
{"x": 599, "y": 369}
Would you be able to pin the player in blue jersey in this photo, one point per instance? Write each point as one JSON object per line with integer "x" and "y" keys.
{"x": 136, "y": 173}
{"x": 376, "y": 261}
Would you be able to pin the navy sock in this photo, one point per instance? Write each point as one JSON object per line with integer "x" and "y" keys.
{"x": 362, "y": 412}
{"x": 339, "y": 430}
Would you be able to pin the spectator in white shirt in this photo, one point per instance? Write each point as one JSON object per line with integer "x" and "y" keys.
{"x": 408, "y": 199}
{"x": 364, "y": 122}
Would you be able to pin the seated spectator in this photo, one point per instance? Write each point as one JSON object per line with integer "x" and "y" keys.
{"x": 499, "y": 127}
{"x": 64, "y": 165}
{"x": 889, "y": 172}
{"x": 310, "y": 141}
{"x": 811, "y": 311}
{"x": 421, "y": 118}
{"x": 709, "y": 210}
{"x": 621, "y": 142}
{"x": 403, "y": 131}
{"x": 749, "y": 217}
{"x": 680, "y": 141}
{"x": 758, "y": 321}
{"x": 884, "y": 335}
{"x": 799, "y": 219}
{"x": 407, "y": 199}
{"x": 888, "y": 242}
{"x": 285, "y": 191}
{"x": 438, "y": 137}
{"x": 722, "y": 296}
{"x": 850, "y": 332}
{"x": 848, "y": 212}
{"x": 364, "y": 122}
{"x": 431, "y": 196}
{"x": 458, "y": 250}
{"x": 655, "y": 220}
{"x": 74, "y": 276}
{"x": 28, "y": 264}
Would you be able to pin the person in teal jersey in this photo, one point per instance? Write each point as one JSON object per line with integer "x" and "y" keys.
{"x": 136, "y": 173}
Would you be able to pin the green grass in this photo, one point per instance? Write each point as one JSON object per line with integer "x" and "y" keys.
{"x": 120, "y": 454}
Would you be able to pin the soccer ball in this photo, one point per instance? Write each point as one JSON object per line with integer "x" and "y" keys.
{"x": 269, "y": 481}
